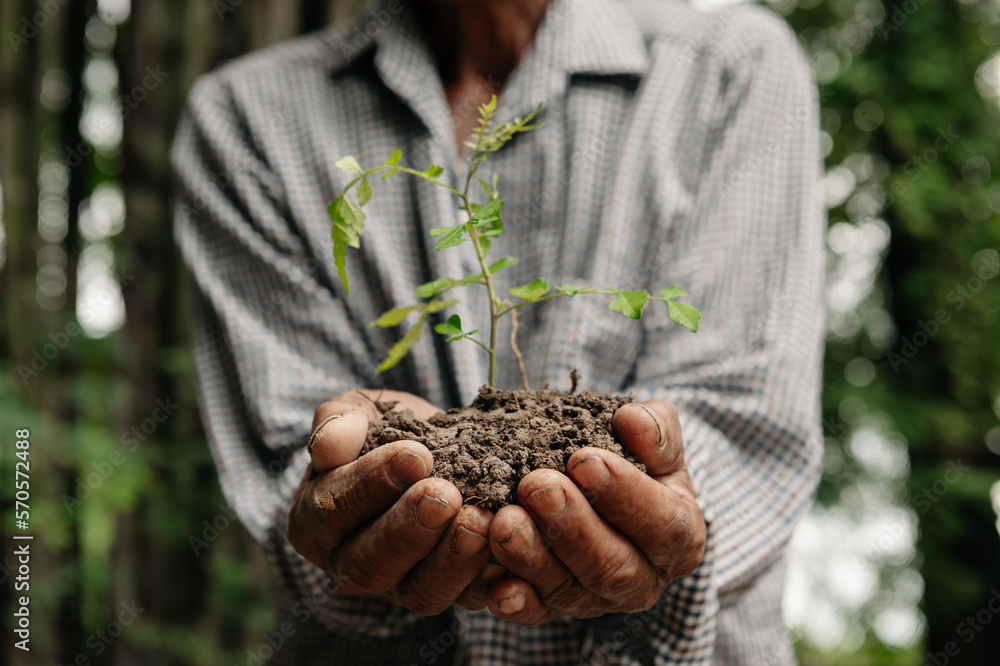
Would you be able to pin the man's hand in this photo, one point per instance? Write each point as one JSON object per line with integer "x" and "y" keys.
{"x": 617, "y": 536}
{"x": 377, "y": 524}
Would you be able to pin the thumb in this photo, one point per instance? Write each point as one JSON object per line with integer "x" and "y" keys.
{"x": 339, "y": 432}
{"x": 651, "y": 430}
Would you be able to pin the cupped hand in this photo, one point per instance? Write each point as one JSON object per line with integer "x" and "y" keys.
{"x": 607, "y": 537}
{"x": 377, "y": 524}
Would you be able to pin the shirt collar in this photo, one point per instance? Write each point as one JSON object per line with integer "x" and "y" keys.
{"x": 604, "y": 38}
{"x": 594, "y": 37}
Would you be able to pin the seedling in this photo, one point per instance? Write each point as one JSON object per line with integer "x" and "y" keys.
{"x": 483, "y": 225}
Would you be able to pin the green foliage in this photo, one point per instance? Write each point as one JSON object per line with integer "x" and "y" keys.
{"x": 531, "y": 291}
{"x": 453, "y": 329}
{"x": 488, "y": 138}
{"x": 630, "y": 303}
{"x": 456, "y": 236}
{"x": 432, "y": 288}
{"x": 501, "y": 264}
{"x": 922, "y": 169}
{"x": 393, "y": 317}
{"x": 396, "y": 316}
{"x": 484, "y": 222}
{"x": 686, "y": 315}
{"x": 919, "y": 66}
{"x": 568, "y": 289}
{"x": 402, "y": 348}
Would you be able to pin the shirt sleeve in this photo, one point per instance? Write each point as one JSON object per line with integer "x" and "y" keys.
{"x": 747, "y": 385}
{"x": 266, "y": 343}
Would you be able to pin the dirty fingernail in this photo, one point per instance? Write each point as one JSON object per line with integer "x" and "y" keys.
{"x": 433, "y": 513}
{"x": 660, "y": 439}
{"x": 591, "y": 473}
{"x": 405, "y": 468}
{"x": 468, "y": 542}
{"x": 549, "y": 501}
{"x": 520, "y": 540}
{"x": 511, "y": 604}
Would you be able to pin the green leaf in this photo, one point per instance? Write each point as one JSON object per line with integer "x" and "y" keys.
{"x": 348, "y": 224}
{"x": 348, "y": 164}
{"x": 440, "y": 231}
{"x": 486, "y": 186}
{"x": 462, "y": 336}
{"x": 630, "y": 303}
{"x": 454, "y": 237}
{"x": 452, "y": 327}
{"x": 437, "y": 306}
{"x": 673, "y": 292}
{"x": 531, "y": 291}
{"x": 430, "y": 289}
{"x": 434, "y": 171}
{"x": 394, "y": 157}
{"x": 485, "y": 244}
{"x": 352, "y": 215}
{"x": 568, "y": 289}
{"x": 486, "y": 213}
{"x": 686, "y": 315}
{"x": 340, "y": 259}
{"x": 364, "y": 191}
{"x": 492, "y": 233}
{"x": 401, "y": 348}
{"x": 502, "y": 263}
{"x": 393, "y": 317}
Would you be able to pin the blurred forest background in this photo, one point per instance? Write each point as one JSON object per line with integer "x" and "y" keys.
{"x": 95, "y": 357}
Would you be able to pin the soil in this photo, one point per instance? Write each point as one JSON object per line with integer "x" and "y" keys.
{"x": 487, "y": 448}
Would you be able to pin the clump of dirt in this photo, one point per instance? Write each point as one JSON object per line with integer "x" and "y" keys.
{"x": 487, "y": 448}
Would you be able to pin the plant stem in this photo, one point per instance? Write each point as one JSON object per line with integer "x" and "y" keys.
{"x": 517, "y": 352}
{"x": 420, "y": 174}
{"x": 487, "y": 276}
{"x": 583, "y": 292}
{"x": 488, "y": 279}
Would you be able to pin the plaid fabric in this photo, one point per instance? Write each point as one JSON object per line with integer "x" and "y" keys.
{"x": 679, "y": 147}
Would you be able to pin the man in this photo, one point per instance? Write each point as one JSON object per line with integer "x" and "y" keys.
{"x": 679, "y": 147}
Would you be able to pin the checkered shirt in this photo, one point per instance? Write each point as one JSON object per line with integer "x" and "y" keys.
{"x": 679, "y": 147}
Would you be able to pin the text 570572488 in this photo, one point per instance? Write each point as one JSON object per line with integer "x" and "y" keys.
{"x": 22, "y": 551}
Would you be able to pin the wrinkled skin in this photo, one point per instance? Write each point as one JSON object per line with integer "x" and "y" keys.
{"x": 605, "y": 537}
